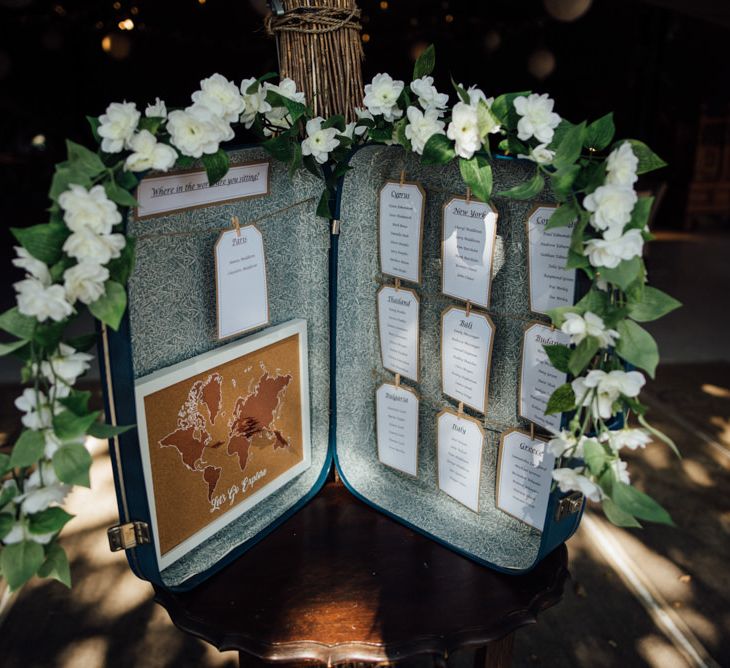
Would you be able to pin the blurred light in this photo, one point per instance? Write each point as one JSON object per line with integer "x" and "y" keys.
{"x": 38, "y": 141}
{"x": 116, "y": 45}
{"x": 99, "y": 25}
{"x": 716, "y": 391}
{"x": 126, "y": 24}
{"x": 449, "y": 18}
{"x": 541, "y": 64}
{"x": 117, "y": 5}
{"x": 492, "y": 40}
{"x": 567, "y": 10}
{"x": 134, "y": 11}
{"x": 365, "y": 37}
{"x": 417, "y": 49}
{"x": 106, "y": 43}
{"x": 384, "y": 5}
{"x": 59, "y": 10}
{"x": 201, "y": 2}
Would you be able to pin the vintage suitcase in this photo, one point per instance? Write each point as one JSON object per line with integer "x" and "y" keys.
{"x": 327, "y": 274}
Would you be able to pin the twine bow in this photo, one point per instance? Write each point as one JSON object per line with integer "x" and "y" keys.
{"x": 313, "y": 20}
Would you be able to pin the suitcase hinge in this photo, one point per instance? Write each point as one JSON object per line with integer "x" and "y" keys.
{"x": 569, "y": 505}
{"x": 126, "y": 536}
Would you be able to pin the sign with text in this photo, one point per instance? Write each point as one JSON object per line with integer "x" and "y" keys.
{"x": 460, "y": 445}
{"x": 398, "y": 311}
{"x": 401, "y": 230}
{"x": 397, "y": 427}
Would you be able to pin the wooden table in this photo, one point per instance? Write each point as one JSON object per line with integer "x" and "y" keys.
{"x": 340, "y": 583}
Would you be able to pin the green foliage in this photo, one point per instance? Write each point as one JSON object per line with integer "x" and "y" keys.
{"x": 28, "y": 448}
{"x": 15, "y": 323}
{"x": 654, "y": 304}
{"x": 526, "y": 190}
{"x": 400, "y": 134}
{"x": 19, "y": 562}
{"x": 559, "y": 355}
{"x": 617, "y": 516}
{"x": 564, "y": 215}
{"x": 425, "y": 63}
{"x": 562, "y": 181}
{"x": 6, "y": 524}
{"x": 600, "y": 133}
{"x": 640, "y": 213}
{"x": 595, "y": 456}
{"x": 49, "y": 520}
{"x": 568, "y": 149}
{"x": 12, "y": 346}
{"x": 43, "y": 241}
{"x": 503, "y": 108}
{"x": 648, "y": 160}
{"x": 4, "y": 468}
{"x": 104, "y": 431}
{"x": 77, "y": 402}
{"x": 279, "y": 147}
{"x": 477, "y": 174}
{"x": 120, "y": 269}
{"x": 583, "y": 354}
{"x": 110, "y": 307}
{"x": 562, "y": 400}
{"x": 323, "y": 207}
{"x": 636, "y": 503}
{"x": 637, "y": 346}
{"x": 296, "y": 109}
{"x": 253, "y": 88}
{"x": 438, "y": 150}
{"x": 56, "y": 565}
{"x": 216, "y": 165}
{"x": 72, "y": 462}
{"x": 83, "y": 159}
{"x": 119, "y": 195}
{"x": 624, "y": 274}
{"x": 657, "y": 433}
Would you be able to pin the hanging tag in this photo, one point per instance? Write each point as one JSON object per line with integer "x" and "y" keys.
{"x": 240, "y": 269}
{"x": 460, "y": 444}
{"x": 397, "y": 427}
{"x": 398, "y": 316}
{"x": 400, "y": 234}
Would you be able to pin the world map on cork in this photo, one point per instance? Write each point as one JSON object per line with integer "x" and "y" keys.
{"x": 218, "y": 437}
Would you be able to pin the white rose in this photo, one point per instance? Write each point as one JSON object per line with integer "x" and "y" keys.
{"x": 610, "y": 207}
{"x": 52, "y": 443}
{"x": 381, "y": 97}
{"x": 254, "y": 103}
{"x": 99, "y": 248}
{"x": 117, "y": 125}
{"x": 319, "y": 142}
{"x": 464, "y": 130}
{"x": 621, "y": 166}
{"x": 541, "y": 154}
{"x": 422, "y": 125}
{"x": 221, "y": 97}
{"x": 609, "y": 252}
{"x": 287, "y": 88}
{"x": 197, "y": 130}
{"x": 42, "y": 302}
{"x": 621, "y": 470}
{"x": 37, "y": 409}
{"x": 627, "y": 383}
{"x": 88, "y": 209}
{"x": 19, "y": 532}
{"x": 565, "y": 444}
{"x": 349, "y": 130}
{"x": 599, "y": 390}
{"x": 428, "y": 97}
{"x": 627, "y": 438}
{"x": 33, "y": 266}
{"x": 40, "y": 491}
{"x": 589, "y": 324}
{"x": 156, "y": 110}
{"x": 85, "y": 281}
{"x": 570, "y": 480}
{"x": 537, "y": 117}
{"x": 362, "y": 114}
{"x": 148, "y": 153}
{"x": 279, "y": 117}
{"x": 65, "y": 365}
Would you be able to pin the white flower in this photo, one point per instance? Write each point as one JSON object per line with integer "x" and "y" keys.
{"x": 571, "y": 480}
{"x": 621, "y": 469}
{"x": 319, "y": 142}
{"x": 88, "y": 209}
{"x": 565, "y": 443}
{"x": 52, "y": 443}
{"x": 221, "y": 97}
{"x": 537, "y": 117}
{"x": 19, "y": 532}
{"x": 600, "y": 390}
{"x": 42, "y": 302}
{"x": 541, "y": 154}
{"x": 85, "y": 281}
{"x": 287, "y": 88}
{"x": 609, "y": 252}
{"x": 627, "y": 438}
{"x": 362, "y": 114}
{"x": 41, "y": 489}
{"x": 156, "y": 110}
{"x": 422, "y": 125}
{"x": 381, "y": 97}
{"x": 610, "y": 206}
{"x": 621, "y": 166}
{"x": 589, "y": 324}
{"x": 117, "y": 125}
{"x": 65, "y": 365}
{"x": 99, "y": 248}
{"x": 349, "y": 130}
{"x": 279, "y": 116}
{"x": 148, "y": 153}
{"x": 254, "y": 103}
{"x": 9, "y": 484}
{"x": 428, "y": 97}
{"x": 464, "y": 130}
{"x": 197, "y": 130}
{"x": 32, "y": 265}
{"x": 37, "y": 409}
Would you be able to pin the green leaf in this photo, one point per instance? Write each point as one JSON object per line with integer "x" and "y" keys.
{"x": 104, "y": 431}
{"x": 632, "y": 501}
{"x": 69, "y": 426}
{"x": 119, "y": 195}
{"x": 380, "y": 134}
{"x": 562, "y": 181}
{"x": 526, "y": 190}
{"x": 110, "y": 307}
{"x": 150, "y": 123}
{"x": 312, "y": 166}
{"x": 477, "y": 174}
{"x": 624, "y": 274}
{"x": 486, "y": 121}
{"x": 600, "y": 133}
{"x": 460, "y": 91}
{"x": 127, "y": 180}
{"x": 4, "y": 468}
{"x": 503, "y": 108}
{"x": 400, "y": 134}
{"x": 596, "y": 301}
{"x": 438, "y": 150}
{"x": 7, "y": 494}
{"x": 7, "y": 348}
{"x": 64, "y": 177}
{"x": 557, "y": 315}
{"x": 323, "y": 207}
{"x": 558, "y": 356}
{"x": 583, "y": 354}
{"x": 59, "y": 268}
{"x": 94, "y": 124}
{"x": 280, "y": 148}
{"x": 653, "y": 305}
{"x": 82, "y": 158}
{"x": 296, "y": 109}
{"x": 84, "y": 342}
{"x": 425, "y": 63}
{"x": 48, "y": 334}
{"x": 6, "y": 523}
{"x": 49, "y": 520}
{"x": 77, "y": 402}
{"x": 120, "y": 268}
{"x": 253, "y": 88}
{"x": 43, "y": 241}
{"x": 648, "y": 160}
{"x": 595, "y": 456}
{"x": 71, "y": 463}
{"x": 569, "y": 148}
{"x": 563, "y": 399}
{"x": 28, "y": 449}
{"x": 640, "y": 213}
{"x": 563, "y": 128}
{"x": 616, "y": 516}
{"x": 335, "y": 121}
{"x": 563, "y": 216}
{"x": 56, "y": 565}
{"x": 184, "y": 161}
{"x": 296, "y": 159}
{"x": 592, "y": 175}
{"x": 637, "y": 346}
{"x": 19, "y": 562}
{"x": 15, "y": 323}
{"x": 216, "y": 165}
{"x": 657, "y": 433}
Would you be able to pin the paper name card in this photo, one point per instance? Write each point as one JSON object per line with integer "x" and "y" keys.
{"x": 524, "y": 478}
{"x": 551, "y": 284}
{"x": 460, "y": 445}
{"x": 466, "y": 355}
{"x": 240, "y": 277}
{"x": 401, "y": 210}
{"x": 398, "y": 312}
{"x": 190, "y": 189}
{"x": 467, "y": 250}
{"x": 538, "y": 378}
{"x": 397, "y": 427}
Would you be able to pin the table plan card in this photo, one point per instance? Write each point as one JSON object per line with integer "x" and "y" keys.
{"x": 524, "y": 477}
{"x": 467, "y": 250}
{"x": 460, "y": 445}
{"x": 240, "y": 277}
{"x": 466, "y": 355}
{"x": 401, "y": 230}
{"x": 397, "y": 427}
{"x": 538, "y": 378}
{"x": 551, "y": 284}
{"x": 398, "y": 310}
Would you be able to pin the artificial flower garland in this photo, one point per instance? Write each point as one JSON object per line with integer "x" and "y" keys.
{"x": 81, "y": 258}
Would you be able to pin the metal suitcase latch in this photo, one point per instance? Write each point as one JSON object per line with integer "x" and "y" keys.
{"x": 570, "y": 505}
{"x": 126, "y": 536}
